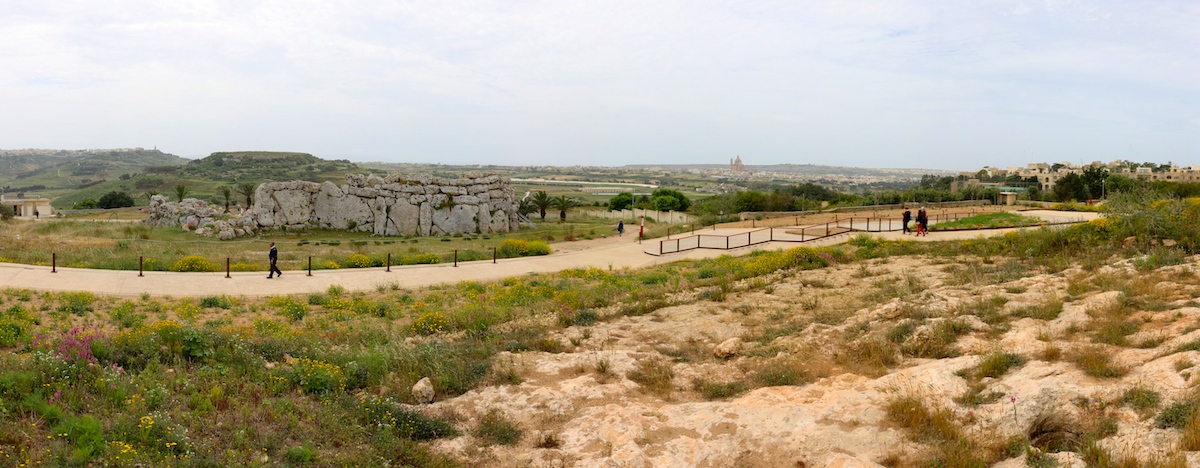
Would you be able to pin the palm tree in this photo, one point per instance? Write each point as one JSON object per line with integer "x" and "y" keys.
{"x": 525, "y": 207}
{"x": 181, "y": 191}
{"x": 227, "y": 193}
{"x": 247, "y": 190}
{"x": 541, "y": 200}
{"x": 562, "y": 204}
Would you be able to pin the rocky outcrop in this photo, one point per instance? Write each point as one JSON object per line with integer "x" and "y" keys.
{"x": 394, "y": 206}
{"x": 200, "y": 217}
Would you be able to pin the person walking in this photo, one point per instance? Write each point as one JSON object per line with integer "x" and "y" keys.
{"x": 273, "y": 255}
{"x": 620, "y": 228}
{"x": 922, "y": 222}
{"x": 906, "y": 219}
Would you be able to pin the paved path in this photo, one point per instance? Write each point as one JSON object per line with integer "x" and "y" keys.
{"x": 606, "y": 253}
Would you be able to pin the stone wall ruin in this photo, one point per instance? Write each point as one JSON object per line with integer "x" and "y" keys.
{"x": 399, "y": 205}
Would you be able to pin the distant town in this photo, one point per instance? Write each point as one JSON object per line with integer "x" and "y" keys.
{"x": 1046, "y": 175}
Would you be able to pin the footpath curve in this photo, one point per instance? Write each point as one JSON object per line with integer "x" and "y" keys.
{"x": 608, "y": 253}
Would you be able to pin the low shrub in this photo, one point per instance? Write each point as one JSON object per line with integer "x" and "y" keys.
{"x": 497, "y": 429}
{"x": 510, "y": 248}
{"x": 429, "y": 323}
{"x": 1176, "y": 415}
{"x": 290, "y": 308}
{"x": 1141, "y": 399}
{"x": 77, "y": 302}
{"x": 654, "y": 375}
{"x": 718, "y": 390}
{"x": 221, "y": 301}
{"x": 315, "y": 376}
{"x": 194, "y": 263}
{"x": 996, "y": 364}
{"x": 1097, "y": 362}
{"x": 359, "y": 261}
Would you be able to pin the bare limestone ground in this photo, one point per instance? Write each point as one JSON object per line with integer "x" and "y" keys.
{"x": 828, "y": 358}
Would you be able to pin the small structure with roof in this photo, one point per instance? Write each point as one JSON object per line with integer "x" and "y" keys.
{"x": 27, "y": 207}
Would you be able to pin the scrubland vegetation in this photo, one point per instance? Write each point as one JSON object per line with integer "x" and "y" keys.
{"x": 117, "y": 246}
{"x": 325, "y": 378}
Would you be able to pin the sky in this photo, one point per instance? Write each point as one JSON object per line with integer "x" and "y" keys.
{"x": 890, "y": 83}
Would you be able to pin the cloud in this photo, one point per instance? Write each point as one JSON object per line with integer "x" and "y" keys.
{"x": 938, "y": 84}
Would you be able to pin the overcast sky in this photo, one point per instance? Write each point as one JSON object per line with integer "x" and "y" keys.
{"x": 934, "y": 84}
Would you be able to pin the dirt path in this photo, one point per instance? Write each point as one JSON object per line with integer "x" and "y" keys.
{"x": 606, "y": 253}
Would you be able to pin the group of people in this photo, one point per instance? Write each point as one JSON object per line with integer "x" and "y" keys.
{"x": 922, "y": 222}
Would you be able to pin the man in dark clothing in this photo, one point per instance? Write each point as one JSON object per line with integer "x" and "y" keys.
{"x": 274, "y": 257}
{"x": 907, "y": 218}
{"x": 620, "y": 228}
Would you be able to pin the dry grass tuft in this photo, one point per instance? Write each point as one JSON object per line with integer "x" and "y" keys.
{"x": 655, "y": 376}
{"x": 1097, "y": 361}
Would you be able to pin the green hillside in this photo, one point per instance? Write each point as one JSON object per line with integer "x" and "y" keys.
{"x": 57, "y": 172}
{"x": 265, "y": 165}
{"x": 205, "y": 177}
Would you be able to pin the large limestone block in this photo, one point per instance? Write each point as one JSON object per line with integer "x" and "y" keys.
{"x": 485, "y": 218}
{"x": 363, "y": 192}
{"x": 499, "y": 221}
{"x": 379, "y": 215}
{"x": 425, "y": 222}
{"x": 405, "y": 218}
{"x": 464, "y": 218}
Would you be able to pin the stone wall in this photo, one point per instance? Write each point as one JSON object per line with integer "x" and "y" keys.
{"x": 398, "y": 205}
{"x": 200, "y": 217}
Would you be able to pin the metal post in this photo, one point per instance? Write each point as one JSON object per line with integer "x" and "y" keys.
{"x": 772, "y": 233}
{"x": 227, "y": 268}
{"x": 493, "y": 255}
{"x": 668, "y": 232}
{"x": 139, "y": 266}
{"x": 726, "y": 242}
{"x": 455, "y": 258}
{"x": 53, "y": 263}
{"x": 310, "y": 265}
{"x": 826, "y": 229}
{"x": 389, "y": 263}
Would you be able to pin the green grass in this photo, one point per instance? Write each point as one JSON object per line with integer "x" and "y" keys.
{"x": 320, "y": 378}
{"x": 987, "y": 221}
{"x": 118, "y": 246}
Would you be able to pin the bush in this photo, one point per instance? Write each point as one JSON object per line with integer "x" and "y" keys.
{"x": 358, "y": 261}
{"x": 496, "y": 429}
{"x": 1176, "y": 415}
{"x": 315, "y": 376}
{"x": 115, "y": 199}
{"x": 510, "y": 248}
{"x": 429, "y": 323}
{"x": 85, "y": 435}
{"x": 77, "y": 302}
{"x": 290, "y": 308}
{"x": 996, "y": 364}
{"x": 216, "y": 301}
{"x": 653, "y": 375}
{"x": 194, "y": 263}
{"x": 380, "y": 412}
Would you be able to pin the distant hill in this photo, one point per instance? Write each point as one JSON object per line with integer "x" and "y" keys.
{"x": 46, "y": 170}
{"x": 812, "y": 169}
{"x": 265, "y": 165}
